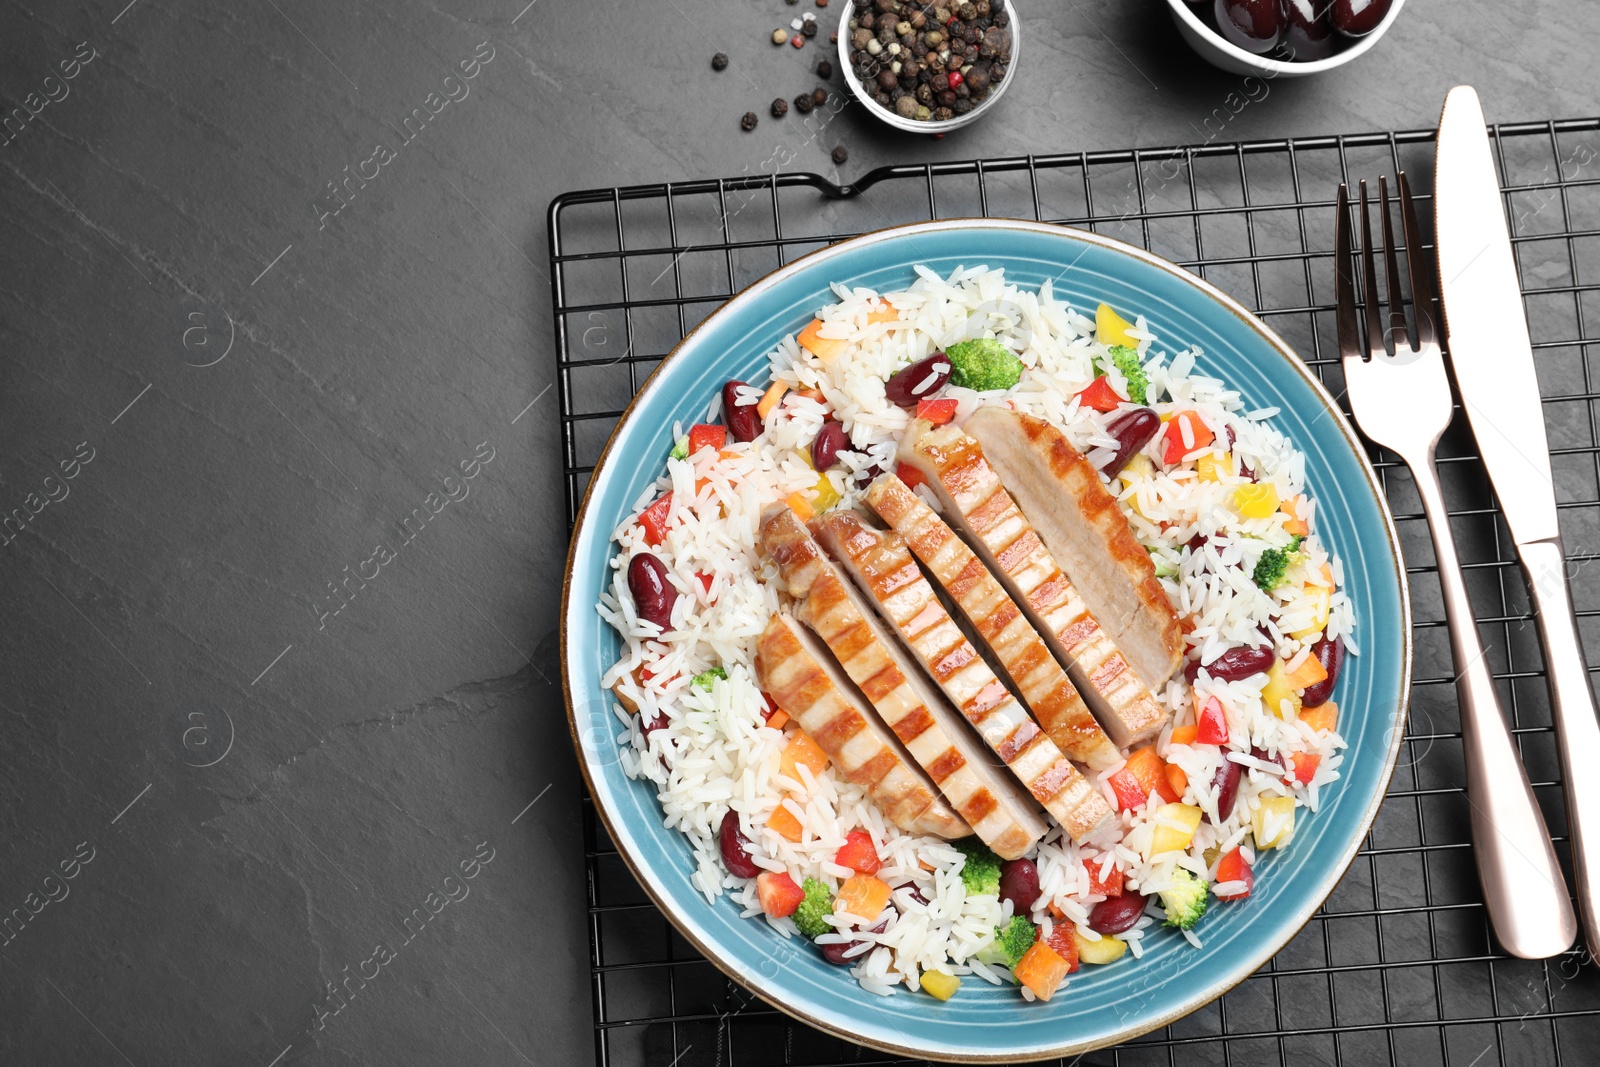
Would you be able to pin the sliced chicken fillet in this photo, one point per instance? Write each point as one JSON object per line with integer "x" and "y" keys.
{"x": 985, "y": 794}
{"x": 793, "y": 666}
{"x": 1083, "y": 527}
{"x": 978, "y": 507}
{"x": 881, "y": 564}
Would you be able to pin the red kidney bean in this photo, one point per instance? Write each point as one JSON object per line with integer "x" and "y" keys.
{"x": 1019, "y": 883}
{"x": 1115, "y": 915}
{"x": 870, "y": 475}
{"x": 1239, "y": 662}
{"x": 918, "y": 382}
{"x": 1133, "y": 431}
{"x": 1257, "y": 752}
{"x": 1195, "y": 544}
{"x": 916, "y": 892}
{"x": 742, "y": 420}
{"x": 653, "y": 594}
{"x": 835, "y": 954}
{"x": 1226, "y": 783}
{"x": 830, "y": 441}
{"x": 736, "y": 848}
{"x": 658, "y": 721}
{"x": 1329, "y": 653}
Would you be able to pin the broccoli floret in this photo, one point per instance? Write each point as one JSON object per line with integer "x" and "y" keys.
{"x": 809, "y": 917}
{"x": 981, "y": 873}
{"x": 1126, "y": 360}
{"x": 1274, "y": 563}
{"x": 1186, "y": 901}
{"x": 705, "y": 679}
{"x": 681, "y": 449}
{"x": 1010, "y": 942}
{"x": 983, "y": 364}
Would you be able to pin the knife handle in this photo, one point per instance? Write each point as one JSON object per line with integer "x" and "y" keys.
{"x": 1577, "y": 720}
{"x": 1523, "y": 889}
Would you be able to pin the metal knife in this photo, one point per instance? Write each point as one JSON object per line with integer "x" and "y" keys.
{"x": 1487, "y": 337}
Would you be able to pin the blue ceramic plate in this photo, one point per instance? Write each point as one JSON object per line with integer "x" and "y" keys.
{"x": 1103, "y": 1005}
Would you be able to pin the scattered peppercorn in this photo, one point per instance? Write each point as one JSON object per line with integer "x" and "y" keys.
{"x": 929, "y": 60}
{"x": 798, "y": 41}
{"x": 810, "y": 28}
{"x": 824, "y": 70}
{"x": 780, "y": 108}
{"x": 819, "y": 96}
{"x": 822, "y": 3}
{"x": 719, "y": 61}
{"x": 802, "y": 103}
{"x": 779, "y": 36}
{"x": 840, "y": 154}
{"x": 749, "y": 121}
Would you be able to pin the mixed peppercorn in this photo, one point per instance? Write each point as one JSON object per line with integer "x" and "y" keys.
{"x": 930, "y": 63}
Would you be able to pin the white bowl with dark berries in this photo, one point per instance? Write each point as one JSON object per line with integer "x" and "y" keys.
{"x": 1282, "y": 38}
{"x": 945, "y": 94}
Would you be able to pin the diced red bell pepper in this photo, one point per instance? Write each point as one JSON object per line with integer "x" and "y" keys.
{"x": 1111, "y": 886}
{"x": 1305, "y": 767}
{"x": 1175, "y": 448}
{"x": 1150, "y": 771}
{"x": 1062, "y": 941}
{"x": 1233, "y": 868}
{"x": 705, "y": 580}
{"x": 1131, "y": 796}
{"x": 1099, "y": 396}
{"x": 1213, "y": 724}
{"x": 859, "y": 853}
{"x": 778, "y": 893}
{"x": 908, "y": 474}
{"x": 937, "y": 412}
{"x": 769, "y": 707}
{"x": 654, "y": 519}
{"x": 706, "y": 435}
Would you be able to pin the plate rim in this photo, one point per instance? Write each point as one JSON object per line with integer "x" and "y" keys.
{"x": 1271, "y": 946}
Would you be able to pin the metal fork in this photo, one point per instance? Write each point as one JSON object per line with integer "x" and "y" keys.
{"x": 1402, "y": 401}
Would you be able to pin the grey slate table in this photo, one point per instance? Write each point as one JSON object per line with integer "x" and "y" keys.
{"x": 285, "y": 774}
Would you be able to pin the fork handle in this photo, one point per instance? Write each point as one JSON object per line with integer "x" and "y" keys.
{"x": 1523, "y": 889}
{"x": 1577, "y": 721}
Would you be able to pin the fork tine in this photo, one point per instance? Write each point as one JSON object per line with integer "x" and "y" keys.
{"x": 1344, "y": 286}
{"x": 1417, "y": 265}
{"x": 1391, "y": 273}
{"x": 1375, "y": 346}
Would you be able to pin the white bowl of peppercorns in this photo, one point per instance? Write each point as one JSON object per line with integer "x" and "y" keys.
{"x": 928, "y": 66}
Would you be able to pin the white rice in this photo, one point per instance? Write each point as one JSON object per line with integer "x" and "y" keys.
{"x": 715, "y": 753}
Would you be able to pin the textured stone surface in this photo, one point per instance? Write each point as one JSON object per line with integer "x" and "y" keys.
{"x": 266, "y": 390}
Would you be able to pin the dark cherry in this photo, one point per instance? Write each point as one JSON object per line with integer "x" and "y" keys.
{"x": 1234, "y": 664}
{"x": 829, "y": 442}
{"x": 1114, "y": 915}
{"x": 742, "y": 420}
{"x": 736, "y": 848}
{"x": 1329, "y": 653}
{"x": 1019, "y": 883}
{"x": 835, "y": 954}
{"x": 918, "y": 381}
{"x": 1308, "y": 36}
{"x": 1133, "y": 430}
{"x": 1254, "y": 25}
{"x": 1357, "y": 18}
{"x": 653, "y": 594}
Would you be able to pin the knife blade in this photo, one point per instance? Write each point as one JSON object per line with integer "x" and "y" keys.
{"x": 1486, "y": 328}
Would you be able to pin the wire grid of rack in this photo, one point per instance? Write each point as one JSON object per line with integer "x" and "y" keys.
{"x": 1399, "y": 963}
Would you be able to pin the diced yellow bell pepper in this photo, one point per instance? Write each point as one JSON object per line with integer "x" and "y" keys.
{"x": 1320, "y": 598}
{"x": 1278, "y": 690}
{"x": 1255, "y": 501}
{"x": 939, "y": 984}
{"x": 1273, "y": 824}
{"x": 1111, "y": 328}
{"x": 1106, "y": 950}
{"x": 1138, "y": 467}
{"x": 1213, "y": 467}
{"x": 1172, "y": 839}
{"x": 827, "y": 495}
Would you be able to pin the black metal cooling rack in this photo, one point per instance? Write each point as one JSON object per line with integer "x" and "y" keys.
{"x": 1399, "y": 964}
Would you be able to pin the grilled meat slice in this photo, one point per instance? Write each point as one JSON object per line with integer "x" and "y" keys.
{"x": 999, "y": 810}
{"x": 1081, "y": 524}
{"x": 998, "y": 621}
{"x": 978, "y": 507}
{"x": 881, "y": 564}
{"x": 797, "y": 670}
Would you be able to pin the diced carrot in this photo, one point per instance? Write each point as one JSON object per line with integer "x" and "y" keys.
{"x": 1150, "y": 772}
{"x": 810, "y": 394}
{"x": 1185, "y": 735}
{"x": 1305, "y": 766}
{"x": 784, "y": 824}
{"x": 654, "y": 519}
{"x": 1309, "y": 673}
{"x": 826, "y": 349}
{"x": 802, "y": 506}
{"x": 1321, "y": 717}
{"x": 1064, "y": 944}
{"x": 779, "y": 719}
{"x": 706, "y": 435}
{"x": 908, "y": 474}
{"x": 887, "y": 313}
{"x": 862, "y": 896}
{"x": 1294, "y": 523}
{"x": 1099, "y": 396}
{"x": 770, "y": 398}
{"x": 1177, "y": 779}
{"x": 1175, "y": 447}
{"x": 1041, "y": 970}
{"x": 801, "y": 750}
